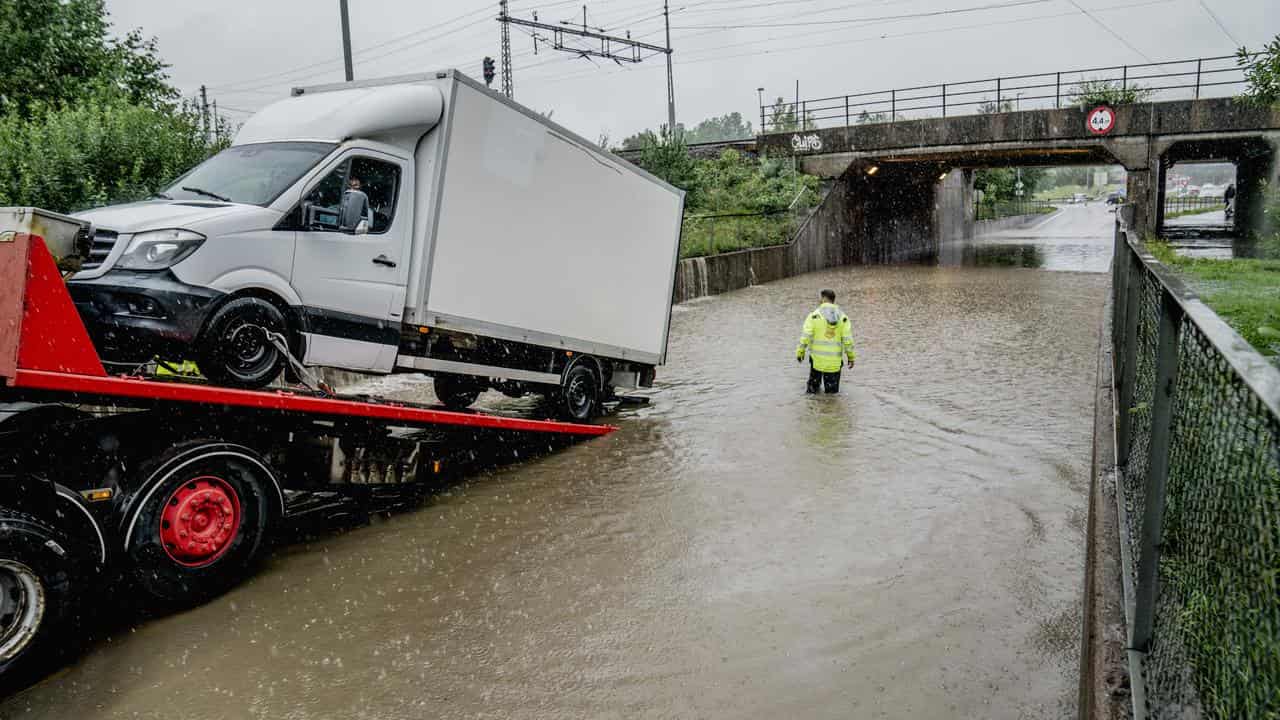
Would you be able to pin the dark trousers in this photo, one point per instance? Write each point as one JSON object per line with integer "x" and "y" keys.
{"x": 830, "y": 381}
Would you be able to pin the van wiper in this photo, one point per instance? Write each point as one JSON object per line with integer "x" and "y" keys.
{"x": 206, "y": 193}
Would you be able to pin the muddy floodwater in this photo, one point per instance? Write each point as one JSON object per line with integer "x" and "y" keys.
{"x": 910, "y": 548}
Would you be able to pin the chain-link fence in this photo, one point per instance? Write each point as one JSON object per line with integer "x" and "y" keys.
{"x": 1198, "y": 446}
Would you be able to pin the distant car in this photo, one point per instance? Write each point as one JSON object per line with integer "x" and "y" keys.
{"x": 1116, "y": 197}
{"x": 1079, "y": 198}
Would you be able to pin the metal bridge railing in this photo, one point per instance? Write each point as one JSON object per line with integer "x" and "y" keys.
{"x": 1174, "y": 80}
{"x": 1198, "y": 494}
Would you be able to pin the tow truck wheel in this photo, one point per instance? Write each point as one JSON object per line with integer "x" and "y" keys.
{"x": 455, "y": 391}
{"x": 579, "y": 398}
{"x": 201, "y": 522}
{"x": 234, "y": 349}
{"x": 38, "y": 590}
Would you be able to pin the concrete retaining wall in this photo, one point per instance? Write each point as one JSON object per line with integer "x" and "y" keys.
{"x": 1013, "y": 222}
{"x": 898, "y": 215}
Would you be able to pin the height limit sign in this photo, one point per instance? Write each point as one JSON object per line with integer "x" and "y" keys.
{"x": 1101, "y": 120}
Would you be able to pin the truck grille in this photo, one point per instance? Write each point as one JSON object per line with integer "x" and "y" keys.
{"x": 100, "y": 248}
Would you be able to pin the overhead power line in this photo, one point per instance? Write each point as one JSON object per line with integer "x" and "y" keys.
{"x": 883, "y": 18}
{"x": 1112, "y": 32}
{"x": 1217, "y": 20}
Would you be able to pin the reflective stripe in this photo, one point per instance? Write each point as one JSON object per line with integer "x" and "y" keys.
{"x": 820, "y": 353}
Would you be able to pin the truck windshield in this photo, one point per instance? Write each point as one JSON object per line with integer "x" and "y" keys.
{"x": 251, "y": 174}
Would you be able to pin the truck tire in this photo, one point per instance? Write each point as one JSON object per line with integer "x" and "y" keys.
{"x": 579, "y": 397}
{"x": 456, "y": 391}
{"x": 39, "y": 596}
{"x": 198, "y": 522}
{"x": 233, "y": 349}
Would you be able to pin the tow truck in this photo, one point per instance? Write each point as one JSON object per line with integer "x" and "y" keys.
{"x": 168, "y": 487}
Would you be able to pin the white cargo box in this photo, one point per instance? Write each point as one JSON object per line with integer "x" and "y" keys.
{"x": 524, "y": 231}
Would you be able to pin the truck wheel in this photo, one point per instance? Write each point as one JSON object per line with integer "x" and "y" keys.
{"x": 200, "y": 524}
{"x": 579, "y": 398}
{"x": 234, "y": 350}
{"x": 455, "y": 391}
{"x": 38, "y": 596}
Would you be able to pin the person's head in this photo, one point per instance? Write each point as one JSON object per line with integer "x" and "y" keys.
{"x": 353, "y": 184}
{"x": 829, "y": 296}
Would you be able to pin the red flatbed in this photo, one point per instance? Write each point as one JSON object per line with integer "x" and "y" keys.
{"x": 45, "y": 349}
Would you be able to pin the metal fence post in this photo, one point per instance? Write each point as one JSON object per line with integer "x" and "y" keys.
{"x": 1057, "y": 92}
{"x": 944, "y": 99}
{"x": 997, "y": 94}
{"x": 846, "y": 111}
{"x": 804, "y": 115}
{"x": 893, "y": 106}
{"x": 763, "y": 128}
{"x": 1198, "y": 63}
{"x": 1124, "y": 77}
{"x": 1147, "y": 590}
{"x": 1128, "y": 370}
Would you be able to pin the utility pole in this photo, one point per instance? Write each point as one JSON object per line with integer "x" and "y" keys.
{"x": 508, "y": 82}
{"x": 671, "y": 83}
{"x": 346, "y": 39}
{"x": 204, "y": 114}
{"x": 215, "y": 121}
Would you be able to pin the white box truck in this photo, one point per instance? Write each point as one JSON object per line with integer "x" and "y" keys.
{"x": 419, "y": 224}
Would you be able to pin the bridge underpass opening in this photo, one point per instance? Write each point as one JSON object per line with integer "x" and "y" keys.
{"x": 1248, "y": 163}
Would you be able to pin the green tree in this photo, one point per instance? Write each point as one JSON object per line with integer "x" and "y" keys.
{"x": 719, "y": 129}
{"x": 666, "y": 155}
{"x": 60, "y": 51}
{"x": 1262, "y": 74}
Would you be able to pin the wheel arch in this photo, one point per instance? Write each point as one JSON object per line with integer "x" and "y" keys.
{"x": 143, "y": 491}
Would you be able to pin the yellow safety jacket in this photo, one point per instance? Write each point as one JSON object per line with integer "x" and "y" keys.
{"x": 827, "y": 343}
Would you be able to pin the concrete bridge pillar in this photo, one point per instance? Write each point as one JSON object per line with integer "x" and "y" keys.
{"x": 1256, "y": 172}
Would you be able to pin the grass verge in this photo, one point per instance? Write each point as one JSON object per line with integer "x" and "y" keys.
{"x": 1245, "y": 292}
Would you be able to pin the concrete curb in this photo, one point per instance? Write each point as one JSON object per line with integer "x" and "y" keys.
{"x": 1104, "y": 670}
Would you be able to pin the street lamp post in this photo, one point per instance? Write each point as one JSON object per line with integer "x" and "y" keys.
{"x": 760, "y": 101}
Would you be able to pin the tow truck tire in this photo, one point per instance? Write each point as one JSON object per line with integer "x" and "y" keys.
{"x": 579, "y": 396}
{"x": 39, "y": 587}
{"x": 233, "y": 350}
{"x": 201, "y": 522}
{"x": 455, "y": 391}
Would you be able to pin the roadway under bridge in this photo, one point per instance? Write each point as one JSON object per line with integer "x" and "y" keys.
{"x": 912, "y": 199}
{"x": 912, "y": 547}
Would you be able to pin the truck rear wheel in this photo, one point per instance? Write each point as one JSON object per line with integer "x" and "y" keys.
{"x": 38, "y": 595}
{"x": 234, "y": 349}
{"x": 456, "y": 391}
{"x": 200, "y": 522}
{"x": 579, "y": 398}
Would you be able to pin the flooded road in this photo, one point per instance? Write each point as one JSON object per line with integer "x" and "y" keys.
{"x": 911, "y": 548}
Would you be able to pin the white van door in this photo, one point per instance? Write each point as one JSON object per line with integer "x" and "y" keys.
{"x": 351, "y": 258}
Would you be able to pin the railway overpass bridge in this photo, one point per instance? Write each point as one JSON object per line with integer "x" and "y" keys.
{"x": 901, "y": 173}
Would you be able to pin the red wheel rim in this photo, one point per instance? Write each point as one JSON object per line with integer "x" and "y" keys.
{"x": 200, "y": 520}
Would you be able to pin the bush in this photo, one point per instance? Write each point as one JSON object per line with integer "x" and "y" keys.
{"x": 1104, "y": 92}
{"x": 96, "y": 152}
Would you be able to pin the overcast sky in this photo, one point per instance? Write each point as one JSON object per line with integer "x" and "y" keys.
{"x": 250, "y": 52}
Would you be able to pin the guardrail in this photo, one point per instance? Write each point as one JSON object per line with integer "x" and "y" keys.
{"x": 996, "y": 210}
{"x": 1198, "y": 497}
{"x": 1192, "y": 204}
{"x": 1174, "y": 80}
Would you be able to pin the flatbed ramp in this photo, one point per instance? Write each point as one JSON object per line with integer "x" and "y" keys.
{"x": 171, "y": 487}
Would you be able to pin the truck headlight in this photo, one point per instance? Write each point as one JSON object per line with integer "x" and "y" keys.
{"x": 159, "y": 249}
